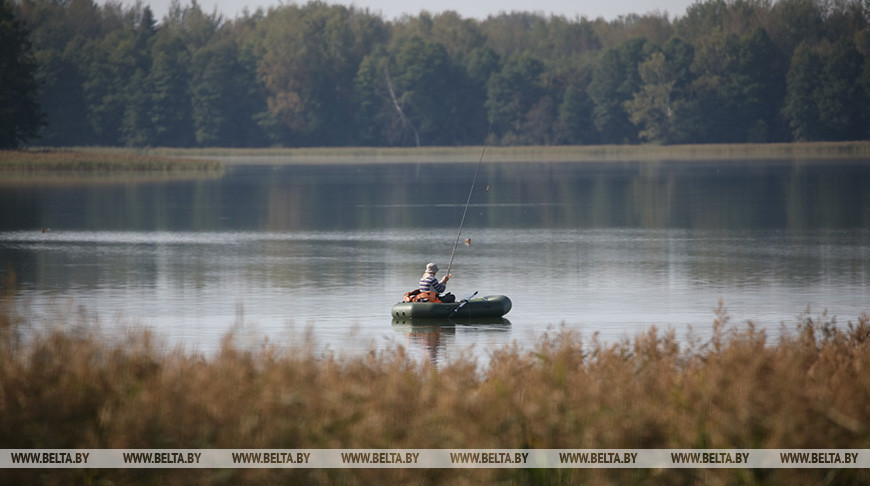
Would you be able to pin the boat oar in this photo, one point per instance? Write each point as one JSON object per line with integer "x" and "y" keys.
{"x": 462, "y": 304}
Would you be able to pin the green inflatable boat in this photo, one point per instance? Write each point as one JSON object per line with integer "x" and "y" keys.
{"x": 489, "y": 306}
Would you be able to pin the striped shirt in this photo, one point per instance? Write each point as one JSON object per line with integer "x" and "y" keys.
{"x": 431, "y": 284}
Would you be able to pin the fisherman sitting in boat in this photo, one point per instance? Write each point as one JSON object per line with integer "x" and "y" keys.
{"x": 430, "y": 288}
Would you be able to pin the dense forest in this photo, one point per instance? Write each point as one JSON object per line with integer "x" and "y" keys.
{"x": 316, "y": 74}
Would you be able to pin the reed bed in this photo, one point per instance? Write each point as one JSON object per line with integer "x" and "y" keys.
{"x": 70, "y": 388}
{"x": 114, "y": 158}
{"x": 99, "y": 160}
{"x": 591, "y": 153}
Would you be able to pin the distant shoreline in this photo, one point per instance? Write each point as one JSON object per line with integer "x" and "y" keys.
{"x": 560, "y": 153}
{"x": 80, "y": 159}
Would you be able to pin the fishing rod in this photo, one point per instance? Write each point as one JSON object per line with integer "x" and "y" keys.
{"x": 464, "y": 212}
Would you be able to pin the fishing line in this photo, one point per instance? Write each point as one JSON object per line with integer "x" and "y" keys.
{"x": 467, "y": 202}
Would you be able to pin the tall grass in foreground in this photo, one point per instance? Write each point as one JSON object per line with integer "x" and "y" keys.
{"x": 70, "y": 389}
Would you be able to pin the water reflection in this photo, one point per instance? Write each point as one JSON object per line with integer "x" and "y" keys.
{"x": 798, "y": 196}
{"x": 433, "y": 340}
{"x": 436, "y": 338}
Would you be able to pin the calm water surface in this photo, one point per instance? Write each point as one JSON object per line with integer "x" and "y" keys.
{"x": 275, "y": 251}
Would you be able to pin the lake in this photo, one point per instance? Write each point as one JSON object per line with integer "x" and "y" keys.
{"x": 294, "y": 253}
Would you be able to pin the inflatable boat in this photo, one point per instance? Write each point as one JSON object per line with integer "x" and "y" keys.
{"x": 489, "y": 306}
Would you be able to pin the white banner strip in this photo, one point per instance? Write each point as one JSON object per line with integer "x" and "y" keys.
{"x": 435, "y": 458}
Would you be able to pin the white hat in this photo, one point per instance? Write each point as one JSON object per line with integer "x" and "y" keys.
{"x": 431, "y": 268}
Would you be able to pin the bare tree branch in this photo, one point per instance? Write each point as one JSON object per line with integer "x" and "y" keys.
{"x": 398, "y": 107}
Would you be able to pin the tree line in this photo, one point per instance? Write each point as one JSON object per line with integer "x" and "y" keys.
{"x": 320, "y": 74}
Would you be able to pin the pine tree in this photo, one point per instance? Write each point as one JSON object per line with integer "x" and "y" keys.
{"x": 20, "y": 115}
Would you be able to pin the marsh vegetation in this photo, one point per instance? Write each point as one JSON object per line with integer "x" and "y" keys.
{"x": 100, "y": 160}
{"x": 553, "y": 153}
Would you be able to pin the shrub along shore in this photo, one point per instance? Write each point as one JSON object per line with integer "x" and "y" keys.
{"x": 72, "y": 388}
